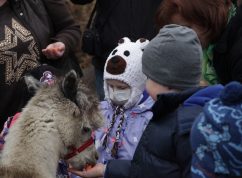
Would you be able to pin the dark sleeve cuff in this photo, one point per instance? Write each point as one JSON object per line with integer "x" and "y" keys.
{"x": 118, "y": 169}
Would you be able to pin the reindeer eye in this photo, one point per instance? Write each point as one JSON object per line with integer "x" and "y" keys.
{"x": 86, "y": 129}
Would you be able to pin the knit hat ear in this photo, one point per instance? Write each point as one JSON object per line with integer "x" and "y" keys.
{"x": 124, "y": 40}
{"x": 143, "y": 43}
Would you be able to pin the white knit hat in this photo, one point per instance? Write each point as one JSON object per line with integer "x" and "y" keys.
{"x": 124, "y": 64}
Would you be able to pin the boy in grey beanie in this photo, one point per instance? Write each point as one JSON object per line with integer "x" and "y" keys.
{"x": 173, "y": 58}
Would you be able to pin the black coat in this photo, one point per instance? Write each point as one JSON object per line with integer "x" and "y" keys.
{"x": 227, "y": 59}
{"x": 164, "y": 149}
{"x": 50, "y": 21}
{"x": 116, "y": 19}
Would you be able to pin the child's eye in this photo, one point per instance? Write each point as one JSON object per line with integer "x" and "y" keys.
{"x": 121, "y": 88}
{"x": 111, "y": 86}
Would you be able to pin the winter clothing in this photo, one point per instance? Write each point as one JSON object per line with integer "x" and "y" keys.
{"x": 118, "y": 18}
{"x": 124, "y": 122}
{"x": 164, "y": 148}
{"x": 216, "y": 136}
{"x": 209, "y": 75}
{"x": 136, "y": 119}
{"x": 124, "y": 64}
{"x": 208, "y": 72}
{"x": 49, "y": 21}
{"x": 227, "y": 53}
{"x": 28, "y": 27}
{"x": 169, "y": 49}
{"x": 18, "y": 54}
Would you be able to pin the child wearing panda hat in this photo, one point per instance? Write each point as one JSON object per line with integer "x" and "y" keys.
{"x": 127, "y": 106}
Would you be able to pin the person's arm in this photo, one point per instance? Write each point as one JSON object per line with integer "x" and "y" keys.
{"x": 184, "y": 154}
{"x": 113, "y": 169}
{"x": 81, "y": 2}
{"x": 118, "y": 169}
{"x": 66, "y": 29}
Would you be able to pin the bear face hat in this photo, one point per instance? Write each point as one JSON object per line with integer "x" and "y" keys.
{"x": 124, "y": 64}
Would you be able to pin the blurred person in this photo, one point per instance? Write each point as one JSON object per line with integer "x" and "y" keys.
{"x": 115, "y": 19}
{"x": 227, "y": 59}
{"x": 207, "y": 18}
{"x": 32, "y": 33}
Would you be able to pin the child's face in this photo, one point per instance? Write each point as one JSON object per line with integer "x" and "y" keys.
{"x": 119, "y": 92}
{"x": 154, "y": 89}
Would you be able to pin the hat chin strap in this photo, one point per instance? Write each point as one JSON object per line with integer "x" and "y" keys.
{"x": 134, "y": 98}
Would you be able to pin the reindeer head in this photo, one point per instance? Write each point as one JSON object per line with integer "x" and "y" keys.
{"x": 75, "y": 113}
{"x": 84, "y": 117}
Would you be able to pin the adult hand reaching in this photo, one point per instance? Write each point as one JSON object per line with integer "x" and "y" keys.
{"x": 95, "y": 172}
{"x": 54, "y": 50}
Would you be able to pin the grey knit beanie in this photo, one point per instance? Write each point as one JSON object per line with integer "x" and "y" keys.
{"x": 173, "y": 58}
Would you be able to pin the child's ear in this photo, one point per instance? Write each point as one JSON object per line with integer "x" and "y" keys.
{"x": 123, "y": 40}
{"x": 143, "y": 43}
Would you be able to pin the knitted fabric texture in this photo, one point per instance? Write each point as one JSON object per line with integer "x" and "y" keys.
{"x": 124, "y": 64}
{"x": 216, "y": 136}
{"x": 174, "y": 58}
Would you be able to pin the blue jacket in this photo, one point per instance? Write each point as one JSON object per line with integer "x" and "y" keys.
{"x": 136, "y": 120}
{"x": 164, "y": 149}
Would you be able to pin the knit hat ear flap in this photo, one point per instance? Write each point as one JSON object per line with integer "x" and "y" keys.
{"x": 124, "y": 40}
{"x": 143, "y": 43}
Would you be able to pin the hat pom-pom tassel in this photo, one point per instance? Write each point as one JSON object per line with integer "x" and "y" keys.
{"x": 232, "y": 93}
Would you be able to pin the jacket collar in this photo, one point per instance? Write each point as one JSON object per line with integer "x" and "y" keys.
{"x": 167, "y": 103}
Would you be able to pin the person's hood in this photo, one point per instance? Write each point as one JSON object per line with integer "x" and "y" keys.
{"x": 204, "y": 95}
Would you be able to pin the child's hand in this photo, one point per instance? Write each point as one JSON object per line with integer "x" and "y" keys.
{"x": 54, "y": 50}
{"x": 88, "y": 172}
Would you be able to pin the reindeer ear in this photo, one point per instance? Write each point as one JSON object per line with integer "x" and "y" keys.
{"x": 69, "y": 85}
{"x": 32, "y": 83}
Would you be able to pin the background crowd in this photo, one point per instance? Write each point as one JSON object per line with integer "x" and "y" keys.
{"x": 168, "y": 75}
